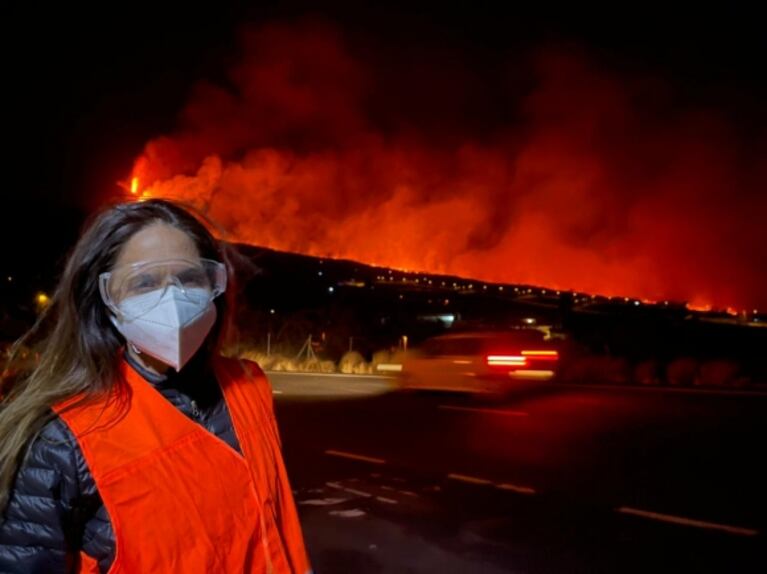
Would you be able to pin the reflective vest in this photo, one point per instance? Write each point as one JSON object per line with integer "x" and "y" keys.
{"x": 179, "y": 498}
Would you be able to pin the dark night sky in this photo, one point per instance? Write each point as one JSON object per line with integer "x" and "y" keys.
{"x": 88, "y": 87}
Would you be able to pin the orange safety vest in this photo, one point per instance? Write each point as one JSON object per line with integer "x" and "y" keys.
{"x": 179, "y": 498}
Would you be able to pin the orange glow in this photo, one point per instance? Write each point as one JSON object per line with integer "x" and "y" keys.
{"x": 318, "y": 166}
{"x": 698, "y": 307}
{"x": 506, "y": 360}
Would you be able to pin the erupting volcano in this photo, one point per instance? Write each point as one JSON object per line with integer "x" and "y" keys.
{"x": 551, "y": 170}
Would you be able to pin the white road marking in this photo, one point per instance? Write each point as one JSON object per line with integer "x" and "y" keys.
{"x": 353, "y": 456}
{"x": 515, "y": 488}
{"x": 352, "y": 513}
{"x": 471, "y": 479}
{"x": 349, "y": 490}
{"x": 276, "y": 392}
{"x": 482, "y": 410}
{"x": 357, "y": 492}
{"x": 386, "y": 500}
{"x": 322, "y": 501}
{"x": 488, "y": 482}
{"x": 687, "y": 521}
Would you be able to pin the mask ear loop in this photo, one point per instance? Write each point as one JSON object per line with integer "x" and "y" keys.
{"x": 221, "y": 279}
{"x": 107, "y": 300}
{"x": 103, "y": 279}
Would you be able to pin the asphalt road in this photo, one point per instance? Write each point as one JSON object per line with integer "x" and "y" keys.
{"x": 561, "y": 479}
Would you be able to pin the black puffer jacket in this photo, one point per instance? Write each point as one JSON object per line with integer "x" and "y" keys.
{"x": 54, "y": 509}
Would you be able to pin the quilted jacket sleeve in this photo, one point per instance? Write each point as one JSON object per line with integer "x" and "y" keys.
{"x": 39, "y": 529}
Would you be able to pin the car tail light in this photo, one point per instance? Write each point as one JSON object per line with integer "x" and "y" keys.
{"x": 506, "y": 361}
{"x": 541, "y": 355}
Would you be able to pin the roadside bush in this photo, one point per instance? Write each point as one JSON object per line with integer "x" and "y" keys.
{"x": 595, "y": 370}
{"x": 720, "y": 373}
{"x": 648, "y": 373}
{"x": 353, "y": 363}
{"x": 681, "y": 372}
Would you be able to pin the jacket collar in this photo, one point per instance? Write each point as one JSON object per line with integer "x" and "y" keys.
{"x": 157, "y": 379}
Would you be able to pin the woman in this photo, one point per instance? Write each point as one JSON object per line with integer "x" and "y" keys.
{"x": 131, "y": 444}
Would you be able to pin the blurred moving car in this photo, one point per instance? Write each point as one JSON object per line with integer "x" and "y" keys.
{"x": 481, "y": 362}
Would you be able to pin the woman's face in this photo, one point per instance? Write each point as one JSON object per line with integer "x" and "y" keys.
{"x": 155, "y": 242}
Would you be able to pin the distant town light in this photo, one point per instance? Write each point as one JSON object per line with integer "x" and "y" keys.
{"x": 271, "y": 311}
{"x": 530, "y": 321}
{"x": 330, "y": 289}
{"x": 319, "y": 273}
{"x": 636, "y": 303}
{"x": 447, "y": 319}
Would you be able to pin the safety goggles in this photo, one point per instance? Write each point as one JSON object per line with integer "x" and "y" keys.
{"x": 143, "y": 284}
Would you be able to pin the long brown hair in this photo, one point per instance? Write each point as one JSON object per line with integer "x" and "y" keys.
{"x": 76, "y": 348}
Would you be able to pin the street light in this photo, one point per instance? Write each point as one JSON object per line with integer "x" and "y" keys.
{"x": 42, "y": 300}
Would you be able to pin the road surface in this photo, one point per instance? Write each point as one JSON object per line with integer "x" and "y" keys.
{"x": 561, "y": 479}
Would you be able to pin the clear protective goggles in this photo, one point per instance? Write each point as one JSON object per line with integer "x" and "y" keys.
{"x": 144, "y": 283}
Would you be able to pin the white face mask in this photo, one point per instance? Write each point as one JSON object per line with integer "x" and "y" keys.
{"x": 172, "y": 330}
